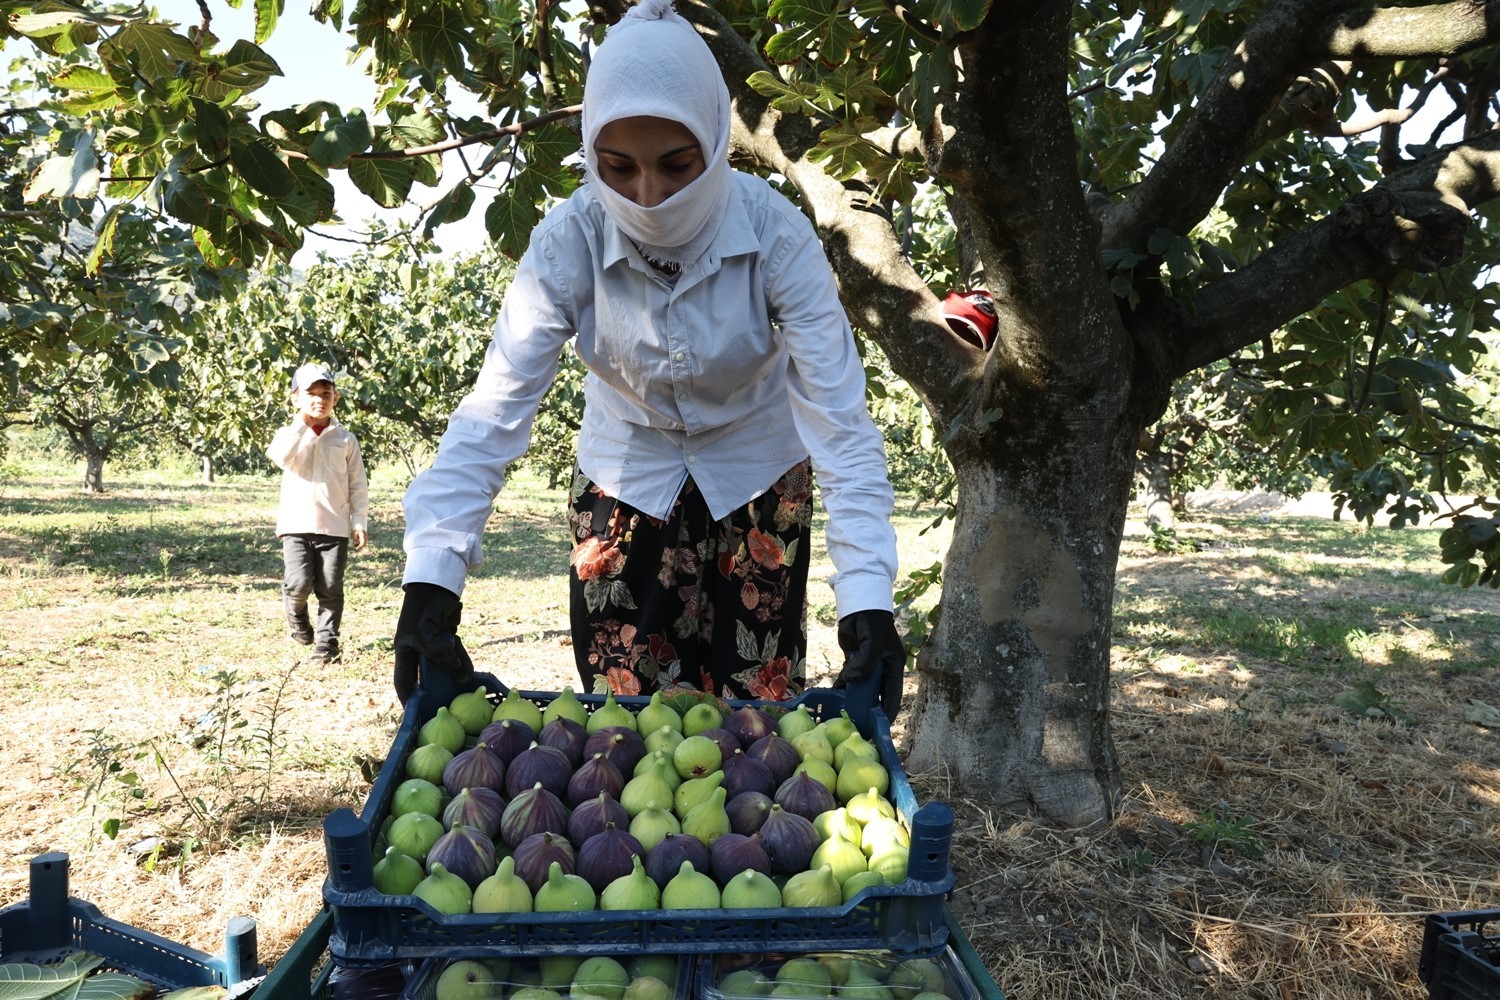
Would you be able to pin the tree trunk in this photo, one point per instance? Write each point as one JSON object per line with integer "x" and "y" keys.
{"x": 93, "y": 470}
{"x": 1161, "y": 505}
{"x": 1014, "y": 692}
{"x": 208, "y": 468}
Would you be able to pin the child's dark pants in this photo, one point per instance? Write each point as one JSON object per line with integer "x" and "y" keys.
{"x": 315, "y": 566}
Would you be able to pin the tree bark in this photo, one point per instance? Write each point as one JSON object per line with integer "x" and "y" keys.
{"x": 93, "y": 470}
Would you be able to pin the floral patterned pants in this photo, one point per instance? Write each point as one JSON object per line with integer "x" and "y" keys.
{"x": 716, "y": 605}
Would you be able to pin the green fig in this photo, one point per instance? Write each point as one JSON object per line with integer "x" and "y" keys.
{"x": 601, "y": 976}
{"x": 861, "y": 985}
{"x": 651, "y": 825}
{"x": 557, "y": 970}
{"x": 813, "y": 744}
{"x": 536, "y": 993}
{"x": 611, "y": 713}
{"x": 663, "y": 738}
{"x": 701, "y": 718}
{"x": 855, "y": 746}
{"x": 655, "y": 715}
{"x": 838, "y": 823}
{"x": 503, "y": 892}
{"x": 822, "y": 771}
{"x": 796, "y": 722}
{"x": 883, "y": 834}
{"x": 565, "y": 706}
{"x": 750, "y": 890}
{"x": 635, "y": 891}
{"x": 467, "y": 980}
{"x": 472, "y": 709}
{"x": 697, "y": 757}
{"x": 444, "y": 892}
{"x": 843, "y": 858}
{"x": 427, "y": 763}
{"x": 663, "y": 967}
{"x": 708, "y": 820}
{"x": 660, "y": 763}
{"x": 649, "y": 988}
{"x": 444, "y": 730}
{"x": 513, "y": 706}
{"x": 859, "y": 775}
{"x": 417, "y": 795}
{"x": 859, "y": 882}
{"x": 397, "y": 874}
{"x": 838, "y": 729}
{"x": 816, "y": 887}
{"x": 805, "y": 971}
{"x": 563, "y": 892}
{"x": 869, "y": 804}
{"x": 915, "y": 976}
{"x": 643, "y": 790}
{"x": 695, "y": 791}
{"x": 891, "y": 864}
{"x": 689, "y": 890}
{"x": 744, "y": 984}
{"x": 414, "y": 834}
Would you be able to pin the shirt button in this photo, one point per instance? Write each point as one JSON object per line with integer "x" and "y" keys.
{"x": 678, "y": 356}
{"x": 692, "y": 459}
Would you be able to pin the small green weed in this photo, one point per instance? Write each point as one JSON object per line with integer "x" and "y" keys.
{"x": 1136, "y": 861}
{"x": 1226, "y": 833}
{"x": 1167, "y": 542}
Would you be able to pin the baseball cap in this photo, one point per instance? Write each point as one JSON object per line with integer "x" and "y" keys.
{"x": 305, "y": 376}
{"x": 972, "y": 316}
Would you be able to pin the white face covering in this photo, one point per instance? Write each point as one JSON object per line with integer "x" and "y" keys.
{"x": 653, "y": 63}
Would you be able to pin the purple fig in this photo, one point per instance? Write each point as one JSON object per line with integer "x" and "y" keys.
{"x": 749, "y": 724}
{"x": 539, "y": 765}
{"x": 608, "y": 855}
{"x": 732, "y": 853}
{"x": 535, "y": 855}
{"x": 805, "y": 795}
{"x": 665, "y": 859}
{"x": 728, "y": 742}
{"x": 743, "y": 773}
{"x": 478, "y": 807}
{"x": 590, "y": 817}
{"x": 566, "y": 735}
{"x": 507, "y": 737}
{"x": 622, "y": 745}
{"x": 789, "y": 841}
{"x": 596, "y": 775}
{"x": 747, "y": 811}
{"x": 534, "y": 811}
{"x": 476, "y": 767}
{"x": 465, "y": 852}
{"x": 776, "y": 753}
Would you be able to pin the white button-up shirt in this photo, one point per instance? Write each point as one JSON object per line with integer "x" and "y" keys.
{"x": 323, "y": 486}
{"x": 734, "y": 372}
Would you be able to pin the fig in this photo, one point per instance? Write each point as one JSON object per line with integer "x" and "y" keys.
{"x": 600, "y": 976}
{"x": 507, "y": 738}
{"x": 478, "y": 807}
{"x": 556, "y": 971}
{"x": 476, "y": 767}
{"x": 465, "y": 852}
{"x": 695, "y": 791}
{"x": 655, "y": 716}
{"x": 824, "y": 773}
{"x": 882, "y": 835}
{"x": 699, "y": 717}
{"x": 534, "y": 811}
{"x": 472, "y": 709}
{"x": 514, "y": 706}
{"x": 397, "y": 874}
{"x": 611, "y": 713}
{"x": 812, "y": 888}
{"x": 917, "y": 975}
{"x": 746, "y": 983}
{"x": 696, "y": 757}
{"x": 651, "y": 825}
{"x": 838, "y": 823}
{"x": 707, "y": 820}
{"x": 854, "y": 746}
{"x": 813, "y": 744}
{"x": 563, "y": 892}
{"x": 891, "y": 864}
{"x": 726, "y": 740}
{"x": 805, "y": 796}
{"x": 749, "y": 724}
{"x": 796, "y": 722}
{"x": 807, "y": 972}
{"x": 789, "y": 841}
{"x": 750, "y": 890}
{"x": 565, "y": 706}
{"x": 444, "y": 892}
{"x": 624, "y": 747}
{"x": 859, "y": 882}
{"x": 733, "y": 853}
{"x": 536, "y": 855}
{"x": 596, "y": 775}
{"x": 664, "y": 738}
{"x": 747, "y": 811}
{"x": 868, "y": 805}
{"x": 663, "y": 967}
{"x": 465, "y": 979}
{"x": 689, "y": 889}
{"x": 503, "y": 892}
{"x": 444, "y": 730}
{"x": 777, "y": 754}
{"x": 607, "y": 855}
{"x": 566, "y": 735}
{"x": 839, "y": 728}
{"x": 659, "y": 761}
{"x": 860, "y": 774}
{"x": 649, "y": 987}
{"x": 539, "y": 765}
{"x": 428, "y": 762}
{"x": 665, "y": 859}
{"x": 644, "y": 789}
{"x": 843, "y": 858}
{"x": 743, "y": 773}
{"x": 635, "y": 891}
{"x": 590, "y": 817}
{"x": 417, "y": 795}
{"x": 414, "y": 834}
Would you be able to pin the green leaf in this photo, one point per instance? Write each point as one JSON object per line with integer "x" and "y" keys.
{"x": 150, "y": 49}
{"x": 965, "y": 15}
{"x": 213, "y": 128}
{"x": 267, "y": 13}
{"x": 809, "y": 26}
{"x": 104, "y": 242}
{"x": 386, "y": 182}
{"x": 260, "y": 166}
{"x": 84, "y": 78}
{"x": 74, "y": 175}
{"x": 509, "y": 220}
{"x": 439, "y": 39}
{"x": 415, "y": 129}
{"x": 451, "y": 207}
{"x": 313, "y": 199}
{"x": 247, "y": 67}
{"x": 341, "y": 139}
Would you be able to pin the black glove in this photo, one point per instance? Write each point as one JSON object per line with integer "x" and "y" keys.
{"x": 870, "y": 644}
{"x": 428, "y": 627}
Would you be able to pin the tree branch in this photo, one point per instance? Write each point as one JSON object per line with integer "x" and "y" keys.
{"x": 914, "y": 24}
{"x": 1414, "y": 219}
{"x": 1389, "y": 32}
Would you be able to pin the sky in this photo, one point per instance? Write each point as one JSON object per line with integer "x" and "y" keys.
{"x": 313, "y": 58}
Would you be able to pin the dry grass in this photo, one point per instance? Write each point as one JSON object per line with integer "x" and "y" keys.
{"x": 1364, "y": 824}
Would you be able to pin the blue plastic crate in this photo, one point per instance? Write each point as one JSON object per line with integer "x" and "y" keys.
{"x": 50, "y": 925}
{"x": 373, "y": 928}
{"x": 303, "y": 972}
{"x": 423, "y": 985}
{"x": 1461, "y": 955}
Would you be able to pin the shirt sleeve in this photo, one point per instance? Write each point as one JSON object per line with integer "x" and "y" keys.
{"x": 448, "y": 503}
{"x": 291, "y": 447}
{"x": 826, "y": 384}
{"x": 359, "y": 489}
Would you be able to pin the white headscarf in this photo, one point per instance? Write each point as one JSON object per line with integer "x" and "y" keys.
{"x": 653, "y": 63}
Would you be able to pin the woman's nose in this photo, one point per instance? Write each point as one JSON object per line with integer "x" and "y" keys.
{"x": 652, "y": 191}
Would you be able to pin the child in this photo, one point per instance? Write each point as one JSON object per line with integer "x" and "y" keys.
{"x": 722, "y": 375}
{"x": 324, "y": 502}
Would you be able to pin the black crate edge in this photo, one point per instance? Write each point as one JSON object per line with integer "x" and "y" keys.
{"x": 50, "y": 925}
{"x": 1460, "y": 957}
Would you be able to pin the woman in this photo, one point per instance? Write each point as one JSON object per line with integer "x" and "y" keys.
{"x": 721, "y": 374}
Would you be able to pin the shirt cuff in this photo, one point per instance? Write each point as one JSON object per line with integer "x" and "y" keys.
{"x": 862, "y": 592}
{"x": 438, "y": 566}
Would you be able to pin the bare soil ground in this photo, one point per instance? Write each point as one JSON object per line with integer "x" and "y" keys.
{"x": 1335, "y": 834}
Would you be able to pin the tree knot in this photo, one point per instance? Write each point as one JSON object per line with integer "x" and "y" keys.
{"x": 1413, "y": 230}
